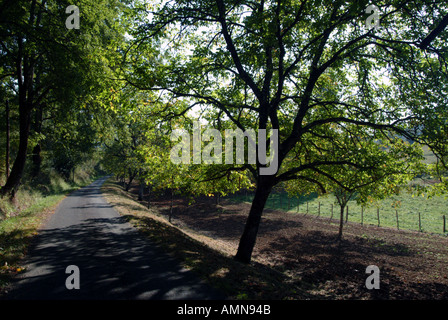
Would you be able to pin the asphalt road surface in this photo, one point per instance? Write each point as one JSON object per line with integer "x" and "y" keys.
{"x": 114, "y": 260}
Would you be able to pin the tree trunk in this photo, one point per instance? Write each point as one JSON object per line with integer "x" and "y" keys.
{"x": 249, "y": 236}
{"x": 131, "y": 178}
{"x": 171, "y": 205}
{"x": 341, "y": 223}
{"x": 141, "y": 190}
{"x": 37, "y": 157}
{"x": 13, "y": 181}
{"x": 149, "y": 196}
{"x": 25, "y": 74}
{"x": 8, "y": 129}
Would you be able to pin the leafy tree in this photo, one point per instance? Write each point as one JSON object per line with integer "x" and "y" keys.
{"x": 379, "y": 182}
{"x": 48, "y": 69}
{"x": 141, "y": 143}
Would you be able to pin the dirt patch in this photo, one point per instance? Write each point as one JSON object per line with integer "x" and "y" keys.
{"x": 412, "y": 265}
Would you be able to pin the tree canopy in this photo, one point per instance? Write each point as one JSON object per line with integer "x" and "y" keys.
{"x": 56, "y": 78}
{"x": 313, "y": 70}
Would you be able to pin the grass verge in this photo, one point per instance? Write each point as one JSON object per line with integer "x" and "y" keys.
{"x": 200, "y": 254}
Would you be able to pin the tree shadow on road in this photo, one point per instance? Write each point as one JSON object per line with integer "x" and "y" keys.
{"x": 236, "y": 280}
{"x": 115, "y": 262}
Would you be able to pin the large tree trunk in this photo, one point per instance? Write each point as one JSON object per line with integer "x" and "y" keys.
{"x": 25, "y": 74}
{"x": 141, "y": 190}
{"x": 25, "y": 64}
{"x": 18, "y": 167}
{"x": 247, "y": 241}
{"x": 132, "y": 175}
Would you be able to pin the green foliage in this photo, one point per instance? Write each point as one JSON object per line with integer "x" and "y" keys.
{"x": 345, "y": 99}
{"x": 58, "y": 81}
{"x": 311, "y": 70}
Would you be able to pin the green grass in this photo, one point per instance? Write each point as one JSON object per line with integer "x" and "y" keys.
{"x": 16, "y": 233}
{"x": 408, "y": 208}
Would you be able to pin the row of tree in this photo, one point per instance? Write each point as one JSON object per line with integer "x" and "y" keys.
{"x": 352, "y": 105}
{"x": 54, "y": 82}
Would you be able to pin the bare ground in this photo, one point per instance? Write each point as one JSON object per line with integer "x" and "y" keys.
{"x": 304, "y": 249}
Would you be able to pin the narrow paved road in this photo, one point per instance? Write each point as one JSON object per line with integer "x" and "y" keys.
{"x": 115, "y": 261}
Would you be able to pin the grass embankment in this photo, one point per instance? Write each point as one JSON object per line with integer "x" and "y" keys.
{"x": 202, "y": 254}
{"x": 22, "y": 219}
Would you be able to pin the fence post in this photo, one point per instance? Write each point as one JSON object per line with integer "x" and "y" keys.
{"x": 396, "y": 214}
{"x": 362, "y": 215}
{"x": 346, "y": 214}
{"x": 419, "y": 223}
{"x": 444, "y": 224}
{"x": 378, "y": 215}
{"x": 307, "y": 207}
{"x": 331, "y": 212}
{"x": 318, "y": 210}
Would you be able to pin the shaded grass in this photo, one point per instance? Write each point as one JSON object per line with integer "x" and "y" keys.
{"x": 49, "y": 183}
{"x": 202, "y": 254}
{"x": 16, "y": 234}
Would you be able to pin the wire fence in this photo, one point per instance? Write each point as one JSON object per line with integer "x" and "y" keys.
{"x": 403, "y": 213}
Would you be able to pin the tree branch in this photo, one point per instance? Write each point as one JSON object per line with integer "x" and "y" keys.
{"x": 231, "y": 47}
{"x": 433, "y": 34}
